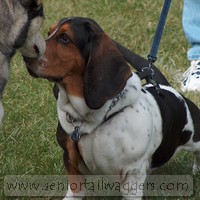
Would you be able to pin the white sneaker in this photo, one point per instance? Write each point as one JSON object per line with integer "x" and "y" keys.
{"x": 191, "y": 78}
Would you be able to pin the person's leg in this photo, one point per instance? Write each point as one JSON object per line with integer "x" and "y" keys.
{"x": 191, "y": 26}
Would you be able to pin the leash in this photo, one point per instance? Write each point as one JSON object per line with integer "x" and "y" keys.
{"x": 147, "y": 72}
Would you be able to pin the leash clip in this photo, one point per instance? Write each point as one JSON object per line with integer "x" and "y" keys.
{"x": 148, "y": 73}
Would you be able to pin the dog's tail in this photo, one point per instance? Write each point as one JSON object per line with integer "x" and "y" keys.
{"x": 137, "y": 62}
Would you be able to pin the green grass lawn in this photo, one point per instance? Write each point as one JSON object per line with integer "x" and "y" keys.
{"x": 28, "y": 144}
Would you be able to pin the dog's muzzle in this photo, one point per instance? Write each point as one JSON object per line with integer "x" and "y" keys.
{"x": 31, "y": 64}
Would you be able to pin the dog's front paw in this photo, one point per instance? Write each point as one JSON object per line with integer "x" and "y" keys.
{"x": 74, "y": 196}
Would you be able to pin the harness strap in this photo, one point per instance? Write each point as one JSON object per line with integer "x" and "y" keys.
{"x": 147, "y": 74}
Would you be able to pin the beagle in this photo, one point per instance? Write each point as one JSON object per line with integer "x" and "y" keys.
{"x": 108, "y": 122}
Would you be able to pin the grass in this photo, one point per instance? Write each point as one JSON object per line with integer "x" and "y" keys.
{"x": 27, "y": 138}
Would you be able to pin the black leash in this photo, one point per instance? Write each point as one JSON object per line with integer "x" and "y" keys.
{"x": 147, "y": 72}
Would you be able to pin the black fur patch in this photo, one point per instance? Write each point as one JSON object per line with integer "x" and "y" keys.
{"x": 33, "y": 11}
{"x": 174, "y": 118}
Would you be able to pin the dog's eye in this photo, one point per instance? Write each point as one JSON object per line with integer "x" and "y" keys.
{"x": 64, "y": 39}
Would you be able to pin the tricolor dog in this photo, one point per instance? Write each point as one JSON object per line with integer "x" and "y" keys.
{"x": 108, "y": 122}
{"x": 20, "y": 23}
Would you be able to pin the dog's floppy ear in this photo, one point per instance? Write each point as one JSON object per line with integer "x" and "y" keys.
{"x": 106, "y": 72}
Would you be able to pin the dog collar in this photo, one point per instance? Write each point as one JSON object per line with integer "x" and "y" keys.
{"x": 76, "y": 134}
{"x": 114, "y": 103}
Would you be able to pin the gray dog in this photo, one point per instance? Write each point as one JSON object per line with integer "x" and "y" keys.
{"x": 20, "y": 23}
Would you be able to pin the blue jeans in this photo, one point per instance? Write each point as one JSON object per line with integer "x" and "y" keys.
{"x": 191, "y": 26}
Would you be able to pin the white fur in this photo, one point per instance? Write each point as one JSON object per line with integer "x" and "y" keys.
{"x": 34, "y": 39}
{"x": 90, "y": 119}
{"x": 124, "y": 144}
{"x": 73, "y": 196}
{"x": 125, "y": 131}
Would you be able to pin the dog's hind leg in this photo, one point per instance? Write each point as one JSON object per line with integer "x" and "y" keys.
{"x": 196, "y": 165}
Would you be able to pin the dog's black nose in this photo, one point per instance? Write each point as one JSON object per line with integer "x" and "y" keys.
{"x": 37, "y": 50}
{"x": 30, "y": 65}
{"x": 29, "y": 61}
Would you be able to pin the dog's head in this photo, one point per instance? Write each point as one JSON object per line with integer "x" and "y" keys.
{"x": 81, "y": 57}
{"x": 30, "y": 40}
